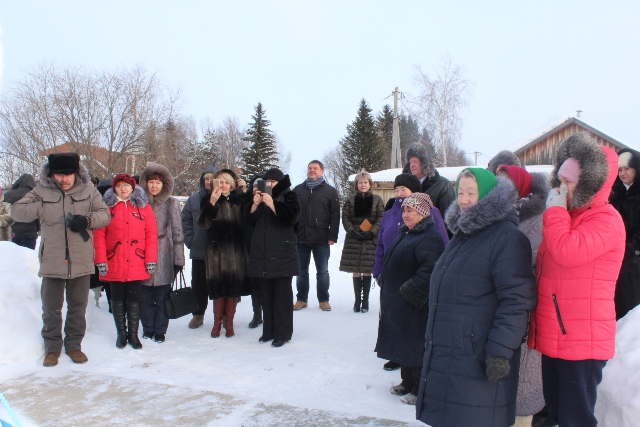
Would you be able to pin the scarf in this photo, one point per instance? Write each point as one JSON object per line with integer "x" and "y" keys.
{"x": 313, "y": 183}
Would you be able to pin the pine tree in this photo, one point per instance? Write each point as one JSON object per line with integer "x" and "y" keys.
{"x": 261, "y": 154}
{"x": 361, "y": 148}
{"x": 384, "y": 125}
{"x": 409, "y": 133}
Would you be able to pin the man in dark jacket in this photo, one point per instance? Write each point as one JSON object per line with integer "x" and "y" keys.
{"x": 439, "y": 188}
{"x": 196, "y": 240}
{"x": 24, "y": 233}
{"x": 317, "y": 231}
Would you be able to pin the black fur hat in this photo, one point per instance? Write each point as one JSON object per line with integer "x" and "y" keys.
{"x": 273, "y": 174}
{"x": 64, "y": 163}
{"x": 505, "y": 157}
{"x": 408, "y": 180}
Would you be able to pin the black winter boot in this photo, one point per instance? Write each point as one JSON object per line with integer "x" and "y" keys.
{"x": 121, "y": 326}
{"x": 357, "y": 290}
{"x": 366, "y": 287}
{"x": 256, "y": 302}
{"x": 133, "y": 315}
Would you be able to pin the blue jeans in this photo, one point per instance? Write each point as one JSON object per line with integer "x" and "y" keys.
{"x": 321, "y": 254}
{"x": 152, "y": 315}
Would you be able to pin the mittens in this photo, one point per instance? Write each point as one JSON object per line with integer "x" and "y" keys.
{"x": 556, "y": 198}
{"x": 151, "y": 267}
{"x": 497, "y": 367}
{"x": 102, "y": 269}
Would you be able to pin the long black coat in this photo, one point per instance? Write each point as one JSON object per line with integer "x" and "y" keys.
{"x": 482, "y": 290}
{"x": 273, "y": 242}
{"x": 226, "y": 252}
{"x": 627, "y": 202}
{"x": 406, "y": 271}
{"x": 358, "y": 255}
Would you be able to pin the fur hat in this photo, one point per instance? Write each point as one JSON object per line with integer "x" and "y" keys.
{"x": 505, "y": 157}
{"x": 124, "y": 177}
{"x": 64, "y": 163}
{"x": 274, "y": 174}
{"x": 420, "y": 151}
{"x": 419, "y": 202}
{"x": 570, "y": 169}
{"x": 407, "y": 180}
{"x": 520, "y": 177}
{"x": 486, "y": 180}
{"x": 628, "y": 158}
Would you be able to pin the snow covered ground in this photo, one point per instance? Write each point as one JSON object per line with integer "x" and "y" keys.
{"x": 328, "y": 375}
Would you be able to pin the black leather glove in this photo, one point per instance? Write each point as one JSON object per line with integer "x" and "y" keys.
{"x": 78, "y": 223}
{"x": 368, "y": 235}
{"x": 358, "y": 235}
{"x": 176, "y": 269}
{"x": 497, "y": 367}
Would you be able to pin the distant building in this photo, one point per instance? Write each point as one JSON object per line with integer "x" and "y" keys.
{"x": 97, "y": 159}
{"x": 541, "y": 149}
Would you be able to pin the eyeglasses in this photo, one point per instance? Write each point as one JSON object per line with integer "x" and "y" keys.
{"x": 121, "y": 186}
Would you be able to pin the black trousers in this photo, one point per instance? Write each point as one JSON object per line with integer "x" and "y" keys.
{"x": 126, "y": 291}
{"x": 411, "y": 377}
{"x": 570, "y": 390}
{"x": 277, "y": 307}
{"x": 199, "y": 285}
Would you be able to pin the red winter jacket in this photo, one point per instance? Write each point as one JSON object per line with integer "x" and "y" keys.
{"x": 130, "y": 240}
{"x": 577, "y": 267}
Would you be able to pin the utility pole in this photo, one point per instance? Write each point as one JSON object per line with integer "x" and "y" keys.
{"x": 396, "y": 156}
{"x": 475, "y": 162}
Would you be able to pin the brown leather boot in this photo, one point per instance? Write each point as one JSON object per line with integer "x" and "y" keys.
{"x": 218, "y": 309}
{"x": 51, "y": 359}
{"x": 230, "y": 310}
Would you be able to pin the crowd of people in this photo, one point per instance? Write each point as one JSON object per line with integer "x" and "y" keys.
{"x": 499, "y": 295}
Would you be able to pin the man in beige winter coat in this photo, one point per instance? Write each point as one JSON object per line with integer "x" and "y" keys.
{"x": 69, "y": 208}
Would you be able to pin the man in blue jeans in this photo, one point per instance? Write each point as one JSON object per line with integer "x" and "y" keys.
{"x": 317, "y": 231}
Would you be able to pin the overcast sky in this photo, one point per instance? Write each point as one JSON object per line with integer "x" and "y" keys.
{"x": 310, "y": 62}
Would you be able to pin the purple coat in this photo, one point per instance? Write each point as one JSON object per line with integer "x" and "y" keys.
{"x": 391, "y": 222}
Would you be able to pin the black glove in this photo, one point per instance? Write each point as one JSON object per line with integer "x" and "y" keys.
{"x": 358, "y": 235}
{"x": 497, "y": 367}
{"x": 77, "y": 223}
{"x": 176, "y": 269}
{"x": 368, "y": 235}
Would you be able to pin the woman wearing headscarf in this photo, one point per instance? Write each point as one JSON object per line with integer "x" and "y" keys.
{"x": 226, "y": 252}
{"x": 583, "y": 243}
{"x": 157, "y": 181}
{"x": 533, "y": 189}
{"x": 404, "y": 282}
{"x": 481, "y": 293}
{"x": 625, "y": 197}
{"x": 361, "y": 219}
{"x": 127, "y": 253}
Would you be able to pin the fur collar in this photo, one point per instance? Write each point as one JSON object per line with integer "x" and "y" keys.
{"x": 536, "y": 202}
{"x": 138, "y": 198}
{"x": 47, "y": 181}
{"x": 165, "y": 177}
{"x": 593, "y": 163}
{"x": 281, "y": 187}
{"x": 420, "y": 227}
{"x": 494, "y": 207}
{"x": 363, "y": 204}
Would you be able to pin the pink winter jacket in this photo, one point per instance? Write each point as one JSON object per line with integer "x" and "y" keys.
{"x": 577, "y": 267}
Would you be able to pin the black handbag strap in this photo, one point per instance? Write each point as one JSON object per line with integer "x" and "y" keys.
{"x": 179, "y": 282}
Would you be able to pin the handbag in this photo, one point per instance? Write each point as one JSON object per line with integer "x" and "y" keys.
{"x": 181, "y": 300}
{"x": 366, "y": 225}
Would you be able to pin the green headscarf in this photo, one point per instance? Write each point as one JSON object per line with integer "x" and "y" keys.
{"x": 485, "y": 179}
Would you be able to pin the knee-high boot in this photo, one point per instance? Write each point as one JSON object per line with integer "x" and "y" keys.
{"x": 218, "y": 310}
{"x": 117, "y": 308}
{"x": 256, "y": 302}
{"x": 357, "y": 290}
{"x": 133, "y": 317}
{"x": 230, "y": 310}
{"x": 366, "y": 287}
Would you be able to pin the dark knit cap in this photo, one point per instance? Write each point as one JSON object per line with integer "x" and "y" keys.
{"x": 520, "y": 177}
{"x": 64, "y": 163}
{"x": 124, "y": 177}
{"x": 408, "y": 180}
{"x": 485, "y": 179}
{"x": 273, "y": 174}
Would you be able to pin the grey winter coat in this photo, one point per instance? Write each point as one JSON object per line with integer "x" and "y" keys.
{"x": 63, "y": 254}
{"x": 358, "y": 255}
{"x": 170, "y": 237}
{"x": 195, "y": 237}
{"x": 530, "y": 398}
{"x": 19, "y": 189}
{"x": 5, "y": 221}
{"x": 481, "y": 293}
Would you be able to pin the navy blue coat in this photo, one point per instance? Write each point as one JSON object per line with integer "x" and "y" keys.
{"x": 482, "y": 290}
{"x": 404, "y": 280}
